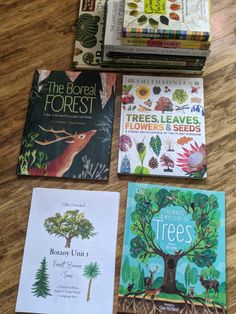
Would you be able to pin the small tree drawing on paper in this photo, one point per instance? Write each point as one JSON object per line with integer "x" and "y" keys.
{"x": 41, "y": 286}
{"x": 91, "y": 271}
{"x": 167, "y": 162}
{"x": 72, "y": 224}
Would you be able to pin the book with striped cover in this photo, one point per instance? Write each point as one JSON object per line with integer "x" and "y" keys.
{"x": 186, "y": 19}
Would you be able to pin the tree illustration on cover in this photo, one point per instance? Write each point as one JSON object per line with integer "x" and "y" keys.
{"x": 40, "y": 288}
{"x": 204, "y": 214}
{"x": 91, "y": 271}
{"x": 72, "y": 224}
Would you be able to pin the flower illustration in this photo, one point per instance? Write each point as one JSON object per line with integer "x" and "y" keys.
{"x": 143, "y": 92}
{"x": 193, "y": 161}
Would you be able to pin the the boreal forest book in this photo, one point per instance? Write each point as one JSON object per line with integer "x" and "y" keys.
{"x": 68, "y": 128}
{"x": 186, "y": 19}
{"x": 162, "y": 127}
{"x": 69, "y": 257}
{"x": 174, "y": 251}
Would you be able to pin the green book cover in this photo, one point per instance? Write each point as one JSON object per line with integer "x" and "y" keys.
{"x": 68, "y": 128}
{"x": 174, "y": 251}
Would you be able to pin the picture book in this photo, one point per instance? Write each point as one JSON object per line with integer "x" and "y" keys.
{"x": 186, "y": 19}
{"x": 174, "y": 251}
{"x": 162, "y": 127}
{"x": 69, "y": 119}
{"x": 67, "y": 267}
{"x": 88, "y": 40}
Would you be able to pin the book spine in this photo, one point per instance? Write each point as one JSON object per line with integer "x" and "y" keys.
{"x": 172, "y": 44}
{"x": 157, "y": 50}
{"x": 199, "y": 61}
{"x": 165, "y": 34}
{"x": 146, "y": 64}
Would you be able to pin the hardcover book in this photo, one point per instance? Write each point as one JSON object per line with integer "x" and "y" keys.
{"x": 69, "y": 119}
{"x": 162, "y": 127}
{"x": 174, "y": 251}
{"x": 88, "y": 40}
{"x": 67, "y": 267}
{"x": 186, "y": 19}
{"x": 113, "y": 38}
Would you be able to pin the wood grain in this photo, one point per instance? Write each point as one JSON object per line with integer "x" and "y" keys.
{"x": 40, "y": 33}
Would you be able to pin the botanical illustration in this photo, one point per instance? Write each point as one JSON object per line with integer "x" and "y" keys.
{"x": 40, "y": 288}
{"x": 171, "y": 252}
{"x": 91, "y": 272}
{"x": 162, "y": 129}
{"x": 72, "y": 224}
{"x": 61, "y": 139}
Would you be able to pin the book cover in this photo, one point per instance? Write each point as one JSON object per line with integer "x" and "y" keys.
{"x": 186, "y": 19}
{"x": 174, "y": 251}
{"x": 68, "y": 127}
{"x": 88, "y": 40}
{"x": 67, "y": 268}
{"x": 162, "y": 127}
{"x": 113, "y": 37}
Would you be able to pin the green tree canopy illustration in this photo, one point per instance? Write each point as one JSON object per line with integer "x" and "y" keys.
{"x": 201, "y": 251}
{"x": 72, "y": 224}
{"x": 40, "y": 288}
{"x": 91, "y": 271}
{"x": 210, "y": 273}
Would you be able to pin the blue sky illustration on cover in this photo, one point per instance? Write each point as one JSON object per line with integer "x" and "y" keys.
{"x": 174, "y": 250}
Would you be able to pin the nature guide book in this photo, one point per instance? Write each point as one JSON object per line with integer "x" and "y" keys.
{"x": 68, "y": 128}
{"x": 69, "y": 257}
{"x": 113, "y": 38}
{"x": 186, "y": 19}
{"x": 162, "y": 127}
{"x": 174, "y": 251}
{"x": 88, "y": 38}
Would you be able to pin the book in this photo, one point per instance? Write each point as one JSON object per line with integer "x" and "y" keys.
{"x": 67, "y": 267}
{"x": 162, "y": 127}
{"x": 68, "y": 127}
{"x": 168, "y": 43}
{"x": 188, "y": 19}
{"x": 88, "y": 40}
{"x": 113, "y": 36}
{"x": 174, "y": 258}
{"x": 187, "y": 61}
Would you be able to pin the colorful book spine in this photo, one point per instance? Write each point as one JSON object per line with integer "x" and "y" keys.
{"x": 168, "y": 43}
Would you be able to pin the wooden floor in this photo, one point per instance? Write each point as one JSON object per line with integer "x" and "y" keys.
{"x": 40, "y": 33}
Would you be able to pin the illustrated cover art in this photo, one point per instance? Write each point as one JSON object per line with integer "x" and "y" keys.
{"x": 174, "y": 251}
{"x": 186, "y": 19}
{"x": 68, "y": 127}
{"x": 67, "y": 267}
{"x": 162, "y": 127}
{"x": 88, "y": 40}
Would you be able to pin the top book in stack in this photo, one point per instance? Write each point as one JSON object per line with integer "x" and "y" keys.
{"x": 167, "y": 19}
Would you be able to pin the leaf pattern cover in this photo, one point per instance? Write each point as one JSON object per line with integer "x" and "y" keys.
{"x": 162, "y": 128}
{"x": 68, "y": 127}
{"x": 186, "y": 19}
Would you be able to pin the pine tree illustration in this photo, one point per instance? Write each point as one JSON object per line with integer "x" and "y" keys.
{"x": 40, "y": 288}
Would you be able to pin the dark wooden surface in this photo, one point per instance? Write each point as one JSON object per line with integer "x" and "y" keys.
{"x": 40, "y": 33}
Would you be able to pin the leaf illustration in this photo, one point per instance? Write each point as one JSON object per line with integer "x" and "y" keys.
{"x": 132, "y": 5}
{"x": 142, "y": 19}
{"x": 164, "y": 20}
{"x": 141, "y": 170}
{"x": 133, "y": 13}
{"x": 154, "y": 23}
{"x": 155, "y": 144}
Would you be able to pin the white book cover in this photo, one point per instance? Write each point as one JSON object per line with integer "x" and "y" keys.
{"x": 162, "y": 127}
{"x": 67, "y": 267}
{"x": 113, "y": 36}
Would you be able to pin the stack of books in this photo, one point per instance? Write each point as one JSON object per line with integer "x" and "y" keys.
{"x": 168, "y": 35}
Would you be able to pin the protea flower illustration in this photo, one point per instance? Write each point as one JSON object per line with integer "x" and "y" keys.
{"x": 193, "y": 161}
